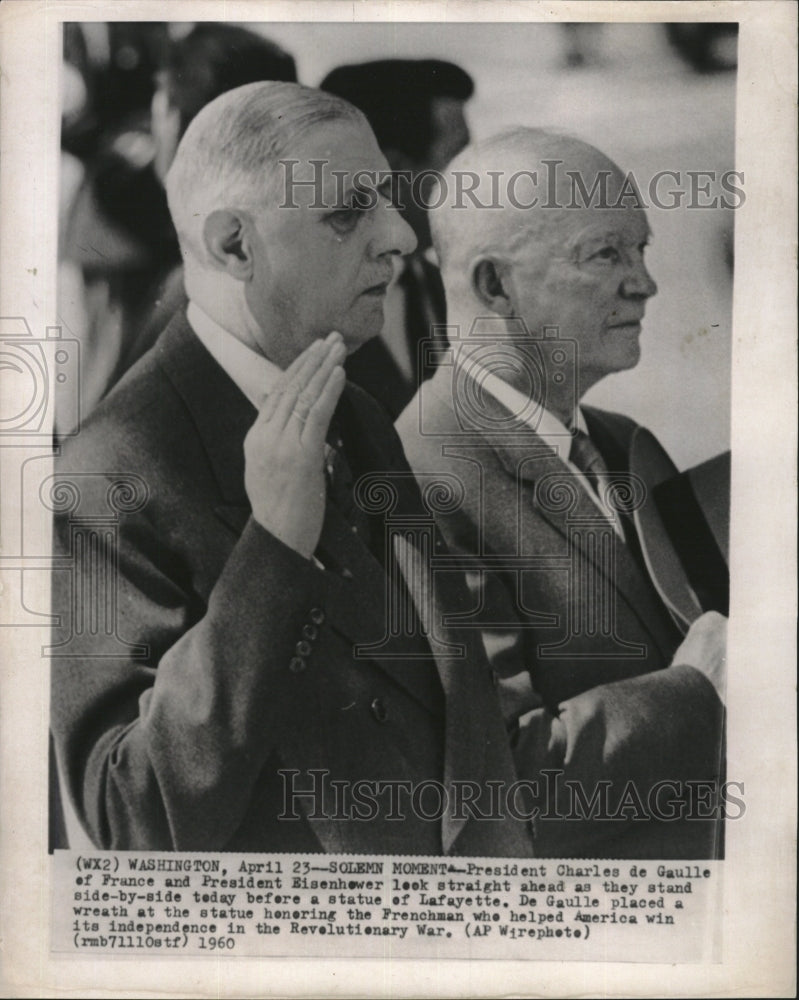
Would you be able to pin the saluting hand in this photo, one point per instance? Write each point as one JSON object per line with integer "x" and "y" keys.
{"x": 284, "y": 449}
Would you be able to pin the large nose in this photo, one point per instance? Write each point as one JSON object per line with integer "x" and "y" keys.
{"x": 638, "y": 283}
{"x": 392, "y": 234}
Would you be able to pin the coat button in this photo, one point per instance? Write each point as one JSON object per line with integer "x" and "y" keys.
{"x": 303, "y": 648}
{"x": 297, "y": 665}
{"x": 310, "y": 632}
{"x": 317, "y": 616}
{"x": 379, "y": 710}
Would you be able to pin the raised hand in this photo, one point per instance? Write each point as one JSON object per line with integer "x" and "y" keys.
{"x": 284, "y": 449}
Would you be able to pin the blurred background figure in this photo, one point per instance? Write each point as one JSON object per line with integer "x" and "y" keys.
{"x": 129, "y": 97}
{"x": 711, "y": 47}
{"x": 582, "y": 44}
{"x": 416, "y": 108}
{"x": 210, "y": 60}
{"x": 115, "y": 63}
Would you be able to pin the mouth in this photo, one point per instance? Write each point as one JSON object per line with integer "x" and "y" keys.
{"x": 631, "y": 326}
{"x": 378, "y": 290}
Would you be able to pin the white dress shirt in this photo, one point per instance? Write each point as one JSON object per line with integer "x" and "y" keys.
{"x": 250, "y": 371}
{"x": 549, "y": 428}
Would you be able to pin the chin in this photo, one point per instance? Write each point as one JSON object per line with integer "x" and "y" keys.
{"x": 626, "y": 361}
{"x": 626, "y": 354}
{"x": 635, "y": 354}
{"x": 357, "y": 336}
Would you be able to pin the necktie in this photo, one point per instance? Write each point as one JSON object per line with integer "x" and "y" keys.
{"x": 424, "y": 311}
{"x": 340, "y": 483}
{"x": 585, "y": 455}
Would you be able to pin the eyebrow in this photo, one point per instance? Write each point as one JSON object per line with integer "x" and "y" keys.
{"x": 384, "y": 188}
{"x": 584, "y": 238}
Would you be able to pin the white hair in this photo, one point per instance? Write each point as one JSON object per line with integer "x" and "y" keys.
{"x": 229, "y": 156}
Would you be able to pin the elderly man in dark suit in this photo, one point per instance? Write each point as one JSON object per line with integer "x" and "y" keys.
{"x": 546, "y": 290}
{"x": 250, "y": 684}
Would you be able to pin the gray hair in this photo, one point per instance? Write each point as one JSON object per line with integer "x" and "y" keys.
{"x": 461, "y": 232}
{"x": 229, "y": 156}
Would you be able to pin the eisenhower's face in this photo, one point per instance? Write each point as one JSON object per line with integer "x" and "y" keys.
{"x": 584, "y": 273}
{"x": 317, "y": 268}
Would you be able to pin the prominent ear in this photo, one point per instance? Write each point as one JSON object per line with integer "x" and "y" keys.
{"x": 226, "y": 234}
{"x": 488, "y": 276}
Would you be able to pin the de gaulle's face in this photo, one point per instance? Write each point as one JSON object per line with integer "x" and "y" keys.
{"x": 325, "y": 264}
{"x": 583, "y": 272}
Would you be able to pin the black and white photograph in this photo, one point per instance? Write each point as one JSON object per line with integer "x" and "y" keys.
{"x": 288, "y": 642}
{"x": 380, "y": 469}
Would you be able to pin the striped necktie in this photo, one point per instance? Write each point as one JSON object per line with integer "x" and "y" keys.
{"x": 585, "y": 455}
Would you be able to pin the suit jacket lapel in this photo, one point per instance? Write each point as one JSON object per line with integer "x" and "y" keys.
{"x": 220, "y": 411}
{"x": 474, "y": 727}
{"x": 475, "y": 733}
{"x": 543, "y": 482}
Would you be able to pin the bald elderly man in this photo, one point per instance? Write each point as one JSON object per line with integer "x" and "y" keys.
{"x": 546, "y": 296}
{"x": 266, "y": 669}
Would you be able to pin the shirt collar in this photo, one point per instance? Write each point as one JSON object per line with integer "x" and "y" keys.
{"x": 547, "y": 426}
{"x": 251, "y": 372}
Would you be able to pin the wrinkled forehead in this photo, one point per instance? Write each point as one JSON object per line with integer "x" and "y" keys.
{"x": 331, "y": 162}
{"x": 553, "y": 192}
{"x": 580, "y": 199}
{"x": 569, "y": 227}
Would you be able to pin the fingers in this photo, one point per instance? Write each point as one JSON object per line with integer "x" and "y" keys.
{"x": 273, "y": 398}
{"x": 308, "y": 383}
{"x": 320, "y": 414}
{"x": 318, "y": 380}
{"x": 281, "y": 402}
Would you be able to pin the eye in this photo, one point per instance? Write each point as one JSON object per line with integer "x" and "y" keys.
{"x": 607, "y": 253}
{"x": 344, "y": 220}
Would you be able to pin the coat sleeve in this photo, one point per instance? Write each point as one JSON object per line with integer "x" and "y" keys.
{"x": 161, "y": 746}
{"x": 653, "y": 738}
{"x": 643, "y": 750}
